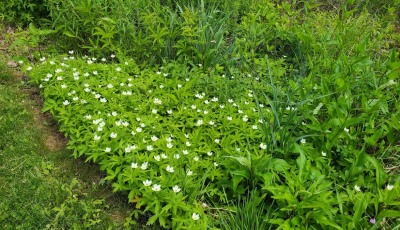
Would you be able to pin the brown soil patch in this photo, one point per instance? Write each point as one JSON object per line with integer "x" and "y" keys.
{"x": 52, "y": 138}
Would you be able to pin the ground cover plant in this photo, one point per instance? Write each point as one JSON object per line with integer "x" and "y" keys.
{"x": 219, "y": 114}
{"x": 181, "y": 142}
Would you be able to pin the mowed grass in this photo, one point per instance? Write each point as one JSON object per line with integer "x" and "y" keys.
{"x": 41, "y": 185}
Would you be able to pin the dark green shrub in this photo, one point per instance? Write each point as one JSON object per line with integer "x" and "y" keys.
{"x": 22, "y": 12}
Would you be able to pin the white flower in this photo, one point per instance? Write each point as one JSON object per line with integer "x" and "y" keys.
{"x": 215, "y": 164}
{"x": 185, "y": 152}
{"x": 214, "y": 99}
{"x": 154, "y": 111}
{"x": 96, "y": 138}
{"x": 107, "y": 150}
{"x": 138, "y": 129}
{"x": 389, "y": 187}
{"x": 112, "y": 56}
{"x": 103, "y": 59}
{"x": 179, "y": 86}
{"x": 195, "y": 216}
{"x": 113, "y": 135}
{"x": 156, "y": 188}
{"x": 217, "y": 141}
{"x": 229, "y": 118}
{"x": 52, "y": 63}
{"x": 169, "y": 139}
{"x": 196, "y": 158}
{"x": 57, "y": 70}
{"x": 170, "y": 169}
{"x": 161, "y": 86}
{"x": 147, "y": 183}
{"x": 110, "y": 86}
{"x": 206, "y": 102}
{"x": 199, "y": 122}
{"x": 323, "y": 154}
{"x": 177, "y": 156}
{"x": 95, "y": 73}
{"x": 357, "y": 188}
{"x": 176, "y": 189}
{"x": 169, "y": 111}
{"x": 303, "y": 141}
{"x": 128, "y": 149}
{"x": 157, "y": 101}
{"x": 66, "y": 102}
{"x": 163, "y": 156}
{"x": 346, "y": 130}
{"x": 255, "y": 127}
{"x": 157, "y": 158}
{"x": 245, "y": 118}
{"x": 188, "y": 143}
{"x": 165, "y": 74}
{"x": 211, "y": 123}
{"x": 154, "y": 138}
{"x": 189, "y": 172}
{"x": 118, "y": 69}
{"x": 103, "y": 100}
{"x": 158, "y": 72}
{"x": 210, "y": 153}
{"x": 135, "y": 166}
{"x": 199, "y": 96}
{"x": 149, "y": 147}
{"x": 63, "y": 86}
{"x": 240, "y": 111}
{"x": 142, "y": 125}
{"x": 170, "y": 145}
{"x": 144, "y": 165}
{"x": 238, "y": 149}
{"x": 263, "y": 146}
{"x": 193, "y": 106}
{"x": 71, "y": 52}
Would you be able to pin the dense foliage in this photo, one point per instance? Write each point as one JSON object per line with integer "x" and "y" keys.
{"x": 189, "y": 107}
{"x": 21, "y": 13}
